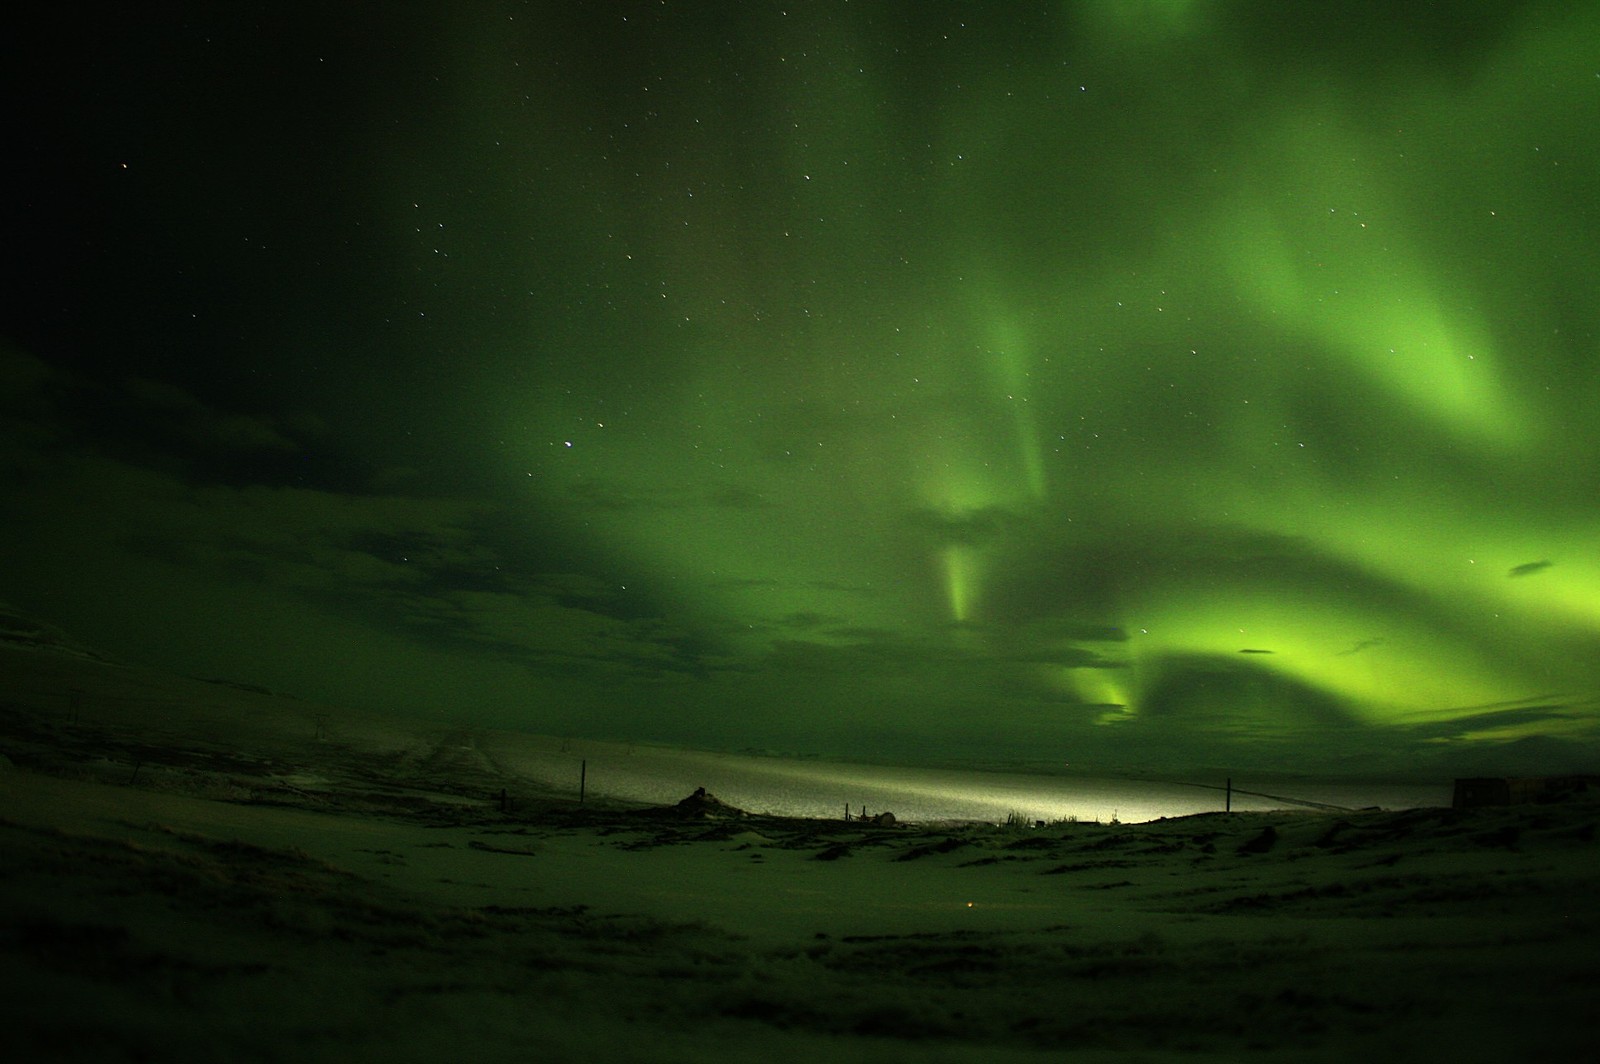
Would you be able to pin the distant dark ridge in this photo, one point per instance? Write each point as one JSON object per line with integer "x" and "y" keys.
{"x": 252, "y": 688}
{"x": 21, "y": 632}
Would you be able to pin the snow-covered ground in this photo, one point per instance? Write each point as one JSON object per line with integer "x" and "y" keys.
{"x": 182, "y": 883}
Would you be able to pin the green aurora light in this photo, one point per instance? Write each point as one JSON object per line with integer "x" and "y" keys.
{"x": 1140, "y": 384}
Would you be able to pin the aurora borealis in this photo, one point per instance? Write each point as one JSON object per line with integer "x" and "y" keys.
{"x": 1124, "y": 383}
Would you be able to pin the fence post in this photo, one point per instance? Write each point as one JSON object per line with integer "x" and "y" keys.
{"x": 583, "y": 779}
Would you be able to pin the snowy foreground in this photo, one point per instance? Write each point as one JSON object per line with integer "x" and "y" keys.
{"x": 209, "y": 894}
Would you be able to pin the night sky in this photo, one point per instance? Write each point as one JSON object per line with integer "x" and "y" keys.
{"x": 1134, "y": 384}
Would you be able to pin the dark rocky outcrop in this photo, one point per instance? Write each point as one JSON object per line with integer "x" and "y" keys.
{"x": 702, "y": 805}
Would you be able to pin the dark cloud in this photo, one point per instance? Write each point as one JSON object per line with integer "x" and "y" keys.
{"x": 1462, "y": 724}
{"x": 970, "y": 528}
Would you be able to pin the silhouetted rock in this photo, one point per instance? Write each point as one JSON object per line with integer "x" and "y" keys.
{"x": 702, "y": 805}
{"x": 1262, "y": 842}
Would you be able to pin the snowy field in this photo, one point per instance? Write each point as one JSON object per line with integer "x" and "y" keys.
{"x": 202, "y": 874}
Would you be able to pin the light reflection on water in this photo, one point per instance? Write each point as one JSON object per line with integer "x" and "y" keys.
{"x": 824, "y": 789}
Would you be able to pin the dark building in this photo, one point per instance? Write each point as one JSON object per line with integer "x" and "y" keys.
{"x": 1508, "y": 790}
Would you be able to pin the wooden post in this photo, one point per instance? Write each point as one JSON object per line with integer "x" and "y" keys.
{"x": 583, "y": 779}
{"x": 1228, "y": 802}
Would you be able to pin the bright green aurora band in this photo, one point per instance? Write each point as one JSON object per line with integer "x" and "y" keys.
{"x": 1127, "y": 383}
{"x": 1157, "y": 384}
